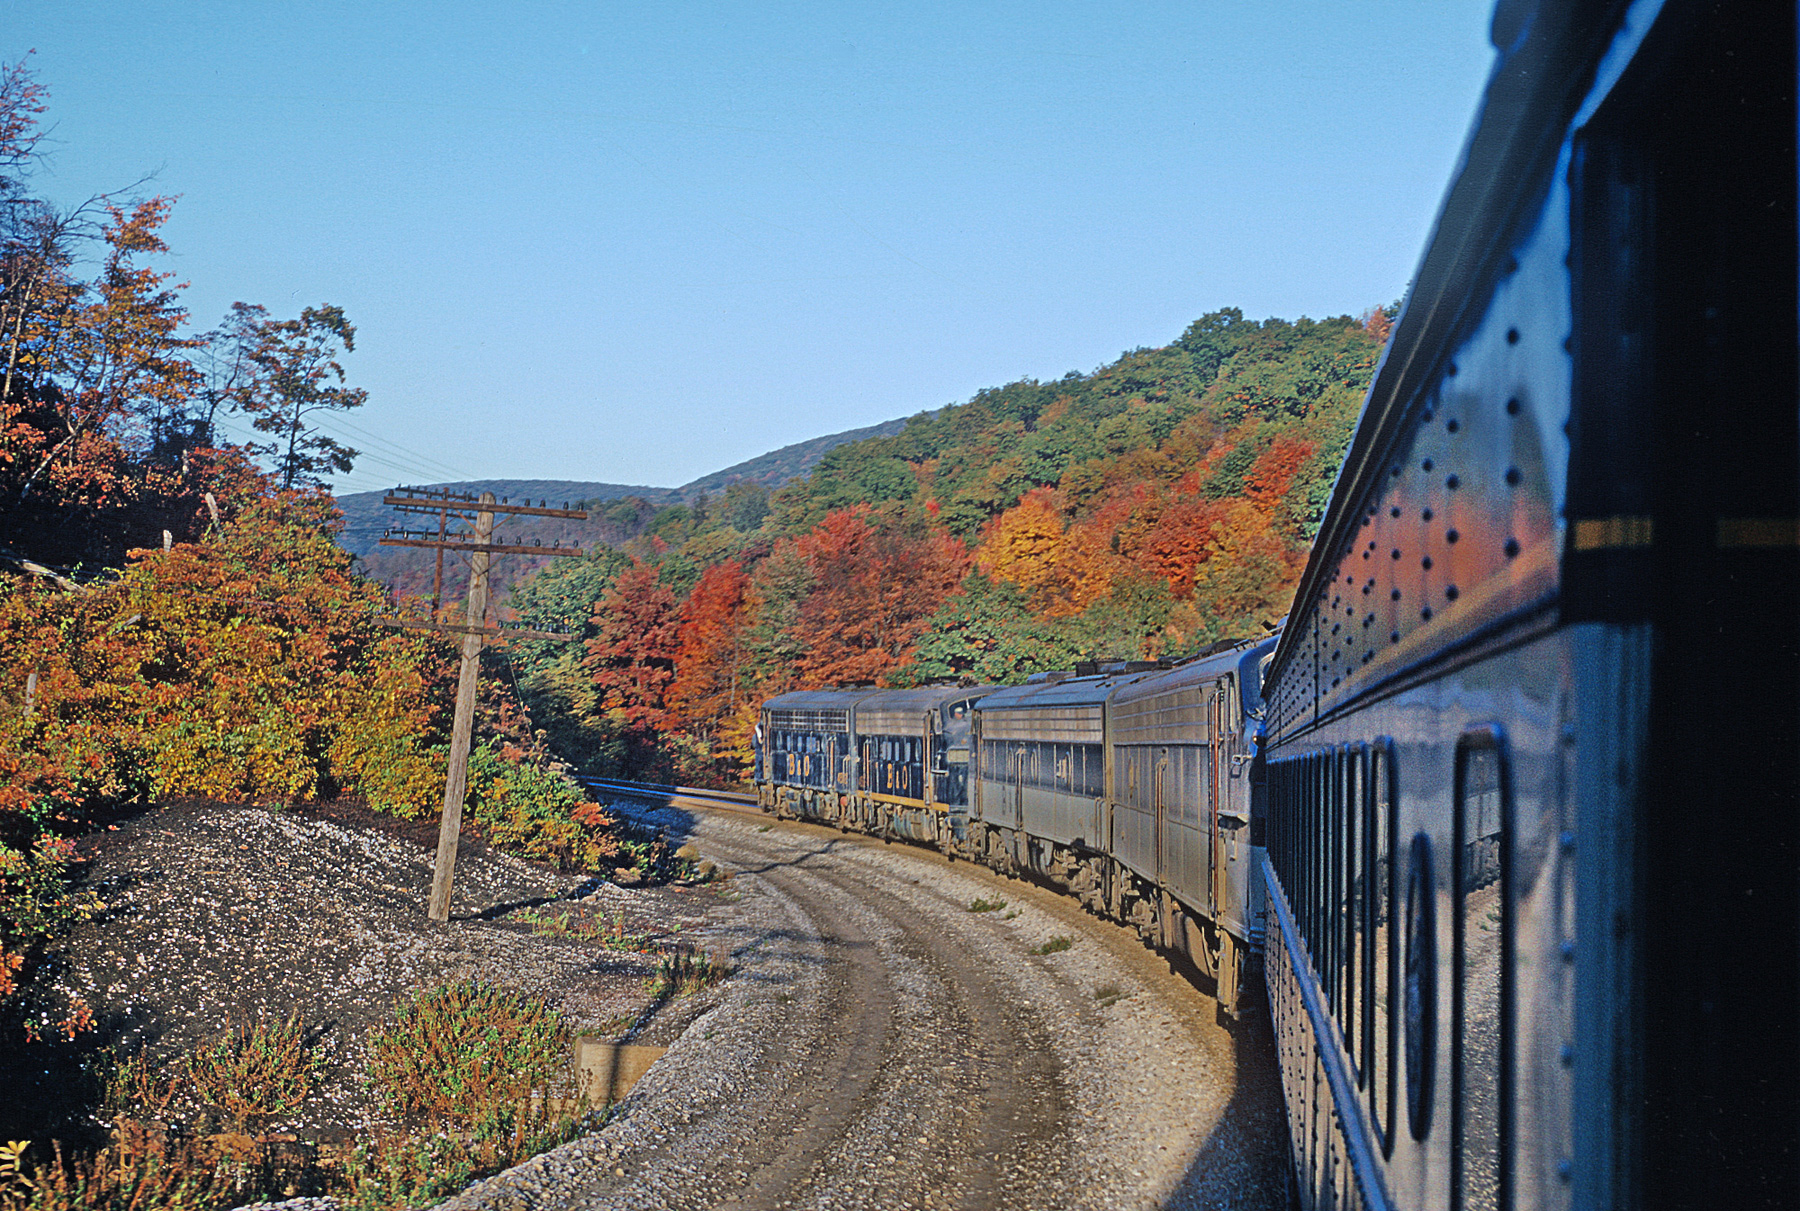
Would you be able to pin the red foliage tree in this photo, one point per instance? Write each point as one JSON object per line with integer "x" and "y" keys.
{"x": 875, "y": 588}
{"x": 711, "y": 672}
{"x": 1179, "y": 541}
{"x": 1270, "y": 476}
{"x": 631, "y": 658}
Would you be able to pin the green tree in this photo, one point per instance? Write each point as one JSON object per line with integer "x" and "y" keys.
{"x": 560, "y": 597}
{"x": 297, "y": 375}
{"x": 987, "y": 633}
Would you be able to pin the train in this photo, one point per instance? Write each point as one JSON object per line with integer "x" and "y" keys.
{"x": 1127, "y": 784}
{"x": 1507, "y": 815}
{"x": 1532, "y": 875}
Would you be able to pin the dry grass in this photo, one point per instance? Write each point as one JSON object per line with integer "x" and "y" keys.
{"x": 597, "y": 928}
{"x": 132, "y": 1173}
{"x": 684, "y": 971}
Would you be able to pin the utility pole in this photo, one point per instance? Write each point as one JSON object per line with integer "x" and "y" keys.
{"x": 473, "y": 631}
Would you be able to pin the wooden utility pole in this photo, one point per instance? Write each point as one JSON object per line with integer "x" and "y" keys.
{"x": 450, "y": 824}
{"x": 481, "y": 547}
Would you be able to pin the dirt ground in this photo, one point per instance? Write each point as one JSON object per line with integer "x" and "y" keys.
{"x": 216, "y": 915}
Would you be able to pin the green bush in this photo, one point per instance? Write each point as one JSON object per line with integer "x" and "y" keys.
{"x": 536, "y": 812}
{"x": 470, "y": 1053}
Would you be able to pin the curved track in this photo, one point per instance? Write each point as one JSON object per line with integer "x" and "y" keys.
{"x": 884, "y": 1046}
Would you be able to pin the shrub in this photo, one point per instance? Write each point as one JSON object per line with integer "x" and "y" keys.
{"x": 471, "y": 1053}
{"x": 537, "y": 812}
{"x": 255, "y": 1072}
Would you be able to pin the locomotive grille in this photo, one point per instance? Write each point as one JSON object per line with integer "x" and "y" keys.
{"x": 810, "y": 721}
{"x": 889, "y": 723}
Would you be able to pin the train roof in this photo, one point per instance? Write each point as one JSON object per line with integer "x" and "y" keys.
{"x": 921, "y": 698}
{"x": 817, "y": 700}
{"x": 1243, "y": 659}
{"x": 1546, "y": 62}
{"x": 1059, "y": 689}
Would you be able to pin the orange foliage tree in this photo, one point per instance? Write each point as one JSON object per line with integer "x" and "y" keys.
{"x": 711, "y": 668}
{"x": 874, "y": 590}
{"x": 263, "y": 673}
{"x": 1025, "y": 547}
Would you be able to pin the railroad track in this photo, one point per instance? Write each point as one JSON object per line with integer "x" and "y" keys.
{"x": 675, "y": 796}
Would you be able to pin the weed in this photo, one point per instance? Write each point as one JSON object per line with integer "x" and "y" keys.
{"x": 15, "y": 1187}
{"x": 389, "y": 1171}
{"x": 1057, "y": 942}
{"x": 253, "y": 1073}
{"x": 681, "y": 972}
{"x": 576, "y": 924}
{"x": 1009, "y": 916}
{"x": 133, "y": 1086}
{"x": 469, "y": 1052}
{"x": 980, "y": 905}
{"x": 765, "y": 828}
{"x": 127, "y": 1174}
{"x": 1108, "y": 995}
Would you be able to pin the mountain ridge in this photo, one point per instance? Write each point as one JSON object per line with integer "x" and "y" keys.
{"x": 365, "y": 517}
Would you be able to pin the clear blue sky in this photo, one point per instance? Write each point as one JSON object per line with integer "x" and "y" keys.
{"x": 637, "y": 242}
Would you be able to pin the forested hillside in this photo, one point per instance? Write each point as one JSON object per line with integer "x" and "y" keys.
{"x": 1149, "y": 509}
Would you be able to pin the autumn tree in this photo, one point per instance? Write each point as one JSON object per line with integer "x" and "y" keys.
{"x": 711, "y": 666}
{"x": 631, "y": 658}
{"x": 1025, "y": 548}
{"x": 875, "y": 587}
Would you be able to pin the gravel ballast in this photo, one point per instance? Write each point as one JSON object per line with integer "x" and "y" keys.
{"x": 878, "y": 1045}
{"x": 883, "y": 1046}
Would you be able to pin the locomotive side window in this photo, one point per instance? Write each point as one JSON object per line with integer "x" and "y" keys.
{"x": 1379, "y": 899}
{"x": 1355, "y": 775}
{"x": 1481, "y": 1051}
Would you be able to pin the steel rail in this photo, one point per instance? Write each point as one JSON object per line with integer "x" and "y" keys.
{"x": 675, "y": 796}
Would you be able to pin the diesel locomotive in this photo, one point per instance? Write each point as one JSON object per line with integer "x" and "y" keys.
{"x": 1128, "y": 785}
{"x": 1533, "y": 861}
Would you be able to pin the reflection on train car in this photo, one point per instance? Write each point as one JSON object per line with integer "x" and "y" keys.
{"x": 1516, "y": 911}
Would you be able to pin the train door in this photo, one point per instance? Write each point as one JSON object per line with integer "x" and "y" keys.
{"x": 1156, "y": 803}
{"x": 1020, "y": 757}
{"x": 932, "y": 730}
{"x": 1215, "y": 724}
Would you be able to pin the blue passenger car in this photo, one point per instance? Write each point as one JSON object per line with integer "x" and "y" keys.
{"x": 1534, "y": 848}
